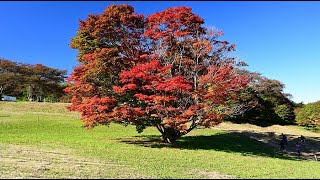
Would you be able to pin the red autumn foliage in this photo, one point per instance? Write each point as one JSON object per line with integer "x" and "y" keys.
{"x": 165, "y": 71}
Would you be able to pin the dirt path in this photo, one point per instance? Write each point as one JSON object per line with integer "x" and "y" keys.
{"x": 17, "y": 161}
{"x": 310, "y": 149}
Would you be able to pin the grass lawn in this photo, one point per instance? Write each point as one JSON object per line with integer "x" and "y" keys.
{"x": 43, "y": 140}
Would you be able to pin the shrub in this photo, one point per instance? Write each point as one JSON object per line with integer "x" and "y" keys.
{"x": 285, "y": 114}
{"x": 309, "y": 115}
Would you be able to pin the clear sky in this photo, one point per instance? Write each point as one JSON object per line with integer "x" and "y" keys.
{"x": 280, "y": 40}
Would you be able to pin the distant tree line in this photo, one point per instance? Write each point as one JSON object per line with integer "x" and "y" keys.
{"x": 263, "y": 101}
{"x": 32, "y": 82}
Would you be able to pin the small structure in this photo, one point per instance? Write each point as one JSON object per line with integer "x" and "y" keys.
{"x": 8, "y": 98}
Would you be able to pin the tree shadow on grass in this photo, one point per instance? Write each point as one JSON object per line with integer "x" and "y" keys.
{"x": 310, "y": 148}
{"x": 232, "y": 142}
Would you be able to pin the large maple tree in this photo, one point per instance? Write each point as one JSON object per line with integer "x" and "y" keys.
{"x": 166, "y": 70}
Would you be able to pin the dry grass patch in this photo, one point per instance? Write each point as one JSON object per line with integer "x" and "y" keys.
{"x": 213, "y": 175}
{"x": 19, "y": 161}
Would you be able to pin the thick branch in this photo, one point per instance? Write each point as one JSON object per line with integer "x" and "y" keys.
{"x": 160, "y": 129}
{"x": 193, "y": 125}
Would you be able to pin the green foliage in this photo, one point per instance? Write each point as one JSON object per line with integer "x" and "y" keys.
{"x": 51, "y": 98}
{"x": 265, "y": 100}
{"x": 285, "y": 113}
{"x": 31, "y": 82}
{"x": 309, "y": 115}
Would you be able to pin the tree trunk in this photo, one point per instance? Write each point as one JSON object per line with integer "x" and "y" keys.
{"x": 170, "y": 135}
{"x": 30, "y": 92}
{"x": 1, "y": 90}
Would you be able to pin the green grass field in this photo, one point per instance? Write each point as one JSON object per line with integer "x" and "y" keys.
{"x": 43, "y": 140}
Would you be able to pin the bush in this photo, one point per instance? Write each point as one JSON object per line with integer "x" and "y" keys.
{"x": 285, "y": 114}
{"x": 52, "y": 98}
{"x": 309, "y": 115}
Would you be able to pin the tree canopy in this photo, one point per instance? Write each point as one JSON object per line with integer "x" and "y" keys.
{"x": 166, "y": 70}
{"x": 264, "y": 100}
{"x": 309, "y": 115}
{"x": 35, "y": 82}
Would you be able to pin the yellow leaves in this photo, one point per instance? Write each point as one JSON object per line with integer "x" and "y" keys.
{"x": 202, "y": 47}
{"x": 211, "y": 87}
{"x": 167, "y": 120}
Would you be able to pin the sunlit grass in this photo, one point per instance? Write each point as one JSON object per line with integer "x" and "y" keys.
{"x": 50, "y": 126}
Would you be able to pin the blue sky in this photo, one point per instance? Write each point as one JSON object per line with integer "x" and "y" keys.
{"x": 280, "y": 40}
